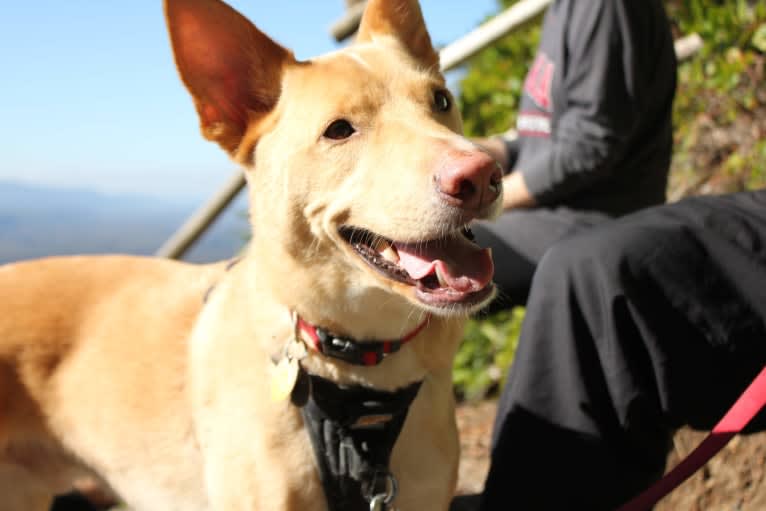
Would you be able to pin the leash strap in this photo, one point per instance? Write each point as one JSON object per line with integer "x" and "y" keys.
{"x": 365, "y": 353}
{"x": 739, "y": 415}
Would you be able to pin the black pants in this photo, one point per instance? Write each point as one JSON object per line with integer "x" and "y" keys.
{"x": 633, "y": 329}
{"x": 519, "y": 238}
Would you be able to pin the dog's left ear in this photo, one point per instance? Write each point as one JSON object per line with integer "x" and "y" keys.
{"x": 403, "y": 20}
{"x": 232, "y": 70}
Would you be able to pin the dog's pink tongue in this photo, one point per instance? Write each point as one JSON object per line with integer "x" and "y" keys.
{"x": 463, "y": 266}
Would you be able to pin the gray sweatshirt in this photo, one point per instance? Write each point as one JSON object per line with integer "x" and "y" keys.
{"x": 595, "y": 127}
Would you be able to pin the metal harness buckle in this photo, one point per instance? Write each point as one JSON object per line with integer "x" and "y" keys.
{"x": 380, "y": 501}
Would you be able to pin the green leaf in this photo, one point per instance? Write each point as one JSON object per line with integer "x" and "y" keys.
{"x": 759, "y": 38}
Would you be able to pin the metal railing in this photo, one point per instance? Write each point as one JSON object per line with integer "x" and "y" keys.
{"x": 451, "y": 56}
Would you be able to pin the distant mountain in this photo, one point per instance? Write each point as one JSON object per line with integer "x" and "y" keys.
{"x": 37, "y": 221}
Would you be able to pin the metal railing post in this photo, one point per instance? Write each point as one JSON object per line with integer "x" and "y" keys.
{"x": 196, "y": 225}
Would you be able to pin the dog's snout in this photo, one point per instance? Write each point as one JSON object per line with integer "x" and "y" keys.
{"x": 470, "y": 180}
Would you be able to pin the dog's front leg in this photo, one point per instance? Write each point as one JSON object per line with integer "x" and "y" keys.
{"x": 257, "y": 464}
{"x": 257, "y": 455}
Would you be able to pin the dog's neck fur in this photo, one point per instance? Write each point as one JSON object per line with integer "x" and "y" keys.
{"x": 431, "y": 351}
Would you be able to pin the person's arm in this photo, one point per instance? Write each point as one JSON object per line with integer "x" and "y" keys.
{"x": 601, "y": 106}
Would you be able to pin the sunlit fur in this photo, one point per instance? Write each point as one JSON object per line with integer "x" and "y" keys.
{"x": 113, "y": 367}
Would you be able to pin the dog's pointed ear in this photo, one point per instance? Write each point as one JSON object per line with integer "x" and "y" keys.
{"x": 232, "y": 70}
{"x": 403, "y": 20}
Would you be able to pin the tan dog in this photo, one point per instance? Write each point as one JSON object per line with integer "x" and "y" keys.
{"x": 360, "y": 187}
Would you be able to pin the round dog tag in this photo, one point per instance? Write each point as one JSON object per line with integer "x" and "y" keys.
{"x": 283, "y": 379}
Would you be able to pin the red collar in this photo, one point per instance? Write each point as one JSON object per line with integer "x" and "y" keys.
{"x": 366, "y": 353}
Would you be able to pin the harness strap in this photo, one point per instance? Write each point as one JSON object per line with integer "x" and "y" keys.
{"x": 353, "y": 430}
{"x": 739, "y": 415}
{"x": 365, "y": 353}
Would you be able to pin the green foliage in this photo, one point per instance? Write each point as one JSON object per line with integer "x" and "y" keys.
{"x": 750, "y": 166}
{"x": 486, "y": 353}
{"x": 721, "y": 99}
{"x": 734, "y": 33}
{"x": 491, "y": 88}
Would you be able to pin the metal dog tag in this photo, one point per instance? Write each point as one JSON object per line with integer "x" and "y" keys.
{"x": 287, "y": 366}
{"x": 283, "y": 379}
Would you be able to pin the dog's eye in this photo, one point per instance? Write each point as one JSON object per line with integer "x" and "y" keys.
{"x": 442, "y": 101}
{"x": 338, "y": 130}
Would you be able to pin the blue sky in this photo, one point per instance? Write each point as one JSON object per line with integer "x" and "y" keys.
{"x": 89, "y": 97}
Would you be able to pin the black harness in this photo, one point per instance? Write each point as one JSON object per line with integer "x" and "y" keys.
{"x": 353, "y": 430}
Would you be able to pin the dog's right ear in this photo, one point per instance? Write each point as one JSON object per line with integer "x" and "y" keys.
{"x": 403, "y": 20}
{"x": 232, "y": 70}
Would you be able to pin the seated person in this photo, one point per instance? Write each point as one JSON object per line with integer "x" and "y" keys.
{"x": 633, "y": 329}
{"x": 594, "y": 132}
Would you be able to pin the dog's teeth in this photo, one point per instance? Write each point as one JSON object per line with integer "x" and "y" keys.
{"x": 390, "y": 254}
{"x": 387, "y": 250}
{"x": 440, "y": 277}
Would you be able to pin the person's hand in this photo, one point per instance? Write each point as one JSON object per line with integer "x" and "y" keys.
{"x": 515, "y": 192}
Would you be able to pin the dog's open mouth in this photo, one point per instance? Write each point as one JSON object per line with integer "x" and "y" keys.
{"x": 446, "y": 271}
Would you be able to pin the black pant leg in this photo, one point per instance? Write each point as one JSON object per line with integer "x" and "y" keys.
{"x": 632, "y": 330}
{"x": 518, "y": 240}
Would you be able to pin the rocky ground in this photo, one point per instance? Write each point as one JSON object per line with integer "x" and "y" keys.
{"x": 474, "y": 421}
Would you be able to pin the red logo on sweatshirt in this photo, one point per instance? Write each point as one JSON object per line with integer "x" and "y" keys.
{"x": 538, "y": 82}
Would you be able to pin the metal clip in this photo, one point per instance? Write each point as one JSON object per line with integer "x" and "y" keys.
{"x": 380, "y": 501}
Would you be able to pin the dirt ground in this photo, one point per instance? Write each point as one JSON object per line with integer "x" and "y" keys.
{"x": 734, "y": 480}
{"x": 474, "y": 421}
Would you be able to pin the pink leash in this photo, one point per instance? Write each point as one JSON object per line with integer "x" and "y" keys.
{"x": 747, "y": 406}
